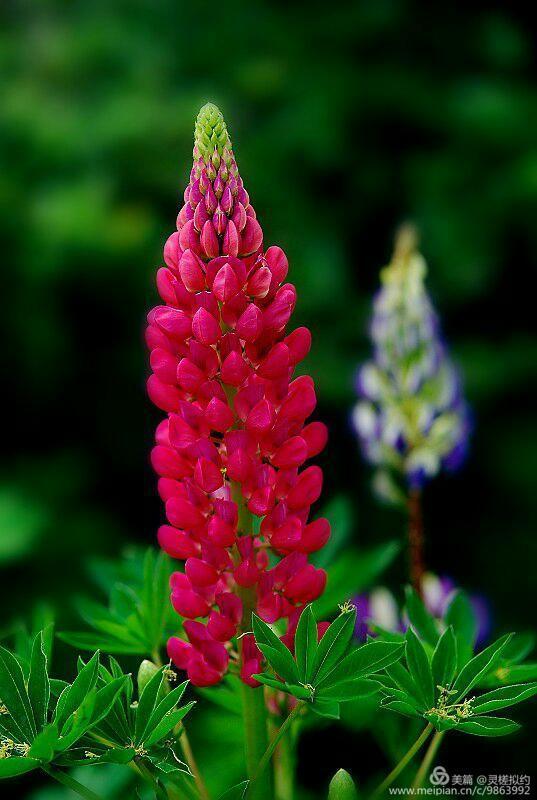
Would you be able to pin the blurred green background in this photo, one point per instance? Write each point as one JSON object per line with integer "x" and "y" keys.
{"x": 346, "y": 119}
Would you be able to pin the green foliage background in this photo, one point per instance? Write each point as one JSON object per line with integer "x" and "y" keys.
{"x": 346, "y": 119}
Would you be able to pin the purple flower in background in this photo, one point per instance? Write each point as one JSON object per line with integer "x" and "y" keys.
{"x": 411, "y": 417}
{"x": 379, "y": 608}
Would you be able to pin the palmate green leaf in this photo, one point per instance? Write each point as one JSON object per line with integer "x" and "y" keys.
{"x": 444, "y": 661}
{"x": 138, "y": 616}
{"x": 15, "y": 697}
{"x": 73, "y": 695}
{"x": 461, "y": 616}
{"x": 306, "y": 644}
{"x": 333, "y": 644}
{"x": 364, "y": 660}
{"x": 503, "y": 697}
{"x": 478, "y": 667}
{"x": 420, "y": 669}
{"x": 274, "y": 650}
{"x": 38, "y": 682}
{"x": 420, "y": 619}
{"x": 17, "y": 765}
{"x": 488, "y": 726}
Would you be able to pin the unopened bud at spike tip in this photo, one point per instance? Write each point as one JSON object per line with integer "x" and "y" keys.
{"x": 211, "y": 138}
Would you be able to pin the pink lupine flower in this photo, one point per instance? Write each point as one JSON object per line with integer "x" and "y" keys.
{"x": 234, "y": 442}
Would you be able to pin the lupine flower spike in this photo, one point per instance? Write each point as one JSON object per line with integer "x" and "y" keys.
{"x": 411, "y": 417}
{"x": 231, "y": 450}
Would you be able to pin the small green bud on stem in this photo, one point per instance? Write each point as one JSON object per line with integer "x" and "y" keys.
{"x": 342, "y": 787}
{"x": 145, "y": 673}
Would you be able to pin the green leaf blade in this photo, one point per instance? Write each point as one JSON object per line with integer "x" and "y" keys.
{"x": 479, "y": 666}
{"x": 503, "y": 697}
{"x": 306, "y": 644}
{"x": 333, "y": 644}
{"x": 76, "y": 693}
{"x": 38, "y": 682}
{"x": 489, "y": 726}
{"x": 420, "y": 618}
{"x": 419, "y": 668}
{"x": 266, "y": 638}
{"x": 14, "y": 695}
{"x": 444, "y": 661}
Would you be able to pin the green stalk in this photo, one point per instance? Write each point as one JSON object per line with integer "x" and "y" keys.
{"x": 191, "y": 761}
{"x": 160, "y": 792}
{"x": 409, "y": 755}
{"x": 71, "y": 783}
{"x": 255, "y": 739}
{"x": 428, "y": 759}
{"x": 284, "y": 767}
{"x": 265, "y": 759}
{"x": 416, "y": 540}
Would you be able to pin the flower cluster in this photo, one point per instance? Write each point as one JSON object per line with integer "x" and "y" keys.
{"x": 411, "y": 417}
{"x": 380, "y": 608}
{"x": 230, "y": 451}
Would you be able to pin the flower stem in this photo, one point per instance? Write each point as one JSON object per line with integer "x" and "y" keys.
{"x": 409, "y": 755}
{"x": 160, "y": 792}
{"x": 284, "y": 767}
{"x": 428, "y": 759}
{"x": 255, "y": 739}
{"x": 67, "y": 780}
{"x": 191, "y": 761}
{"x": 253, "y": 786}
{"x": 415, "y": 539}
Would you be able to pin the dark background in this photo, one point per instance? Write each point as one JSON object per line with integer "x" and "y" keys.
{"x": 346, "y": 119}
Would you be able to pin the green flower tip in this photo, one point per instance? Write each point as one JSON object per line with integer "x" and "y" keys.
{"x": 407, "y": 263}
{"x": 210, "y": 133}
{"x": 342, "y": 787}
